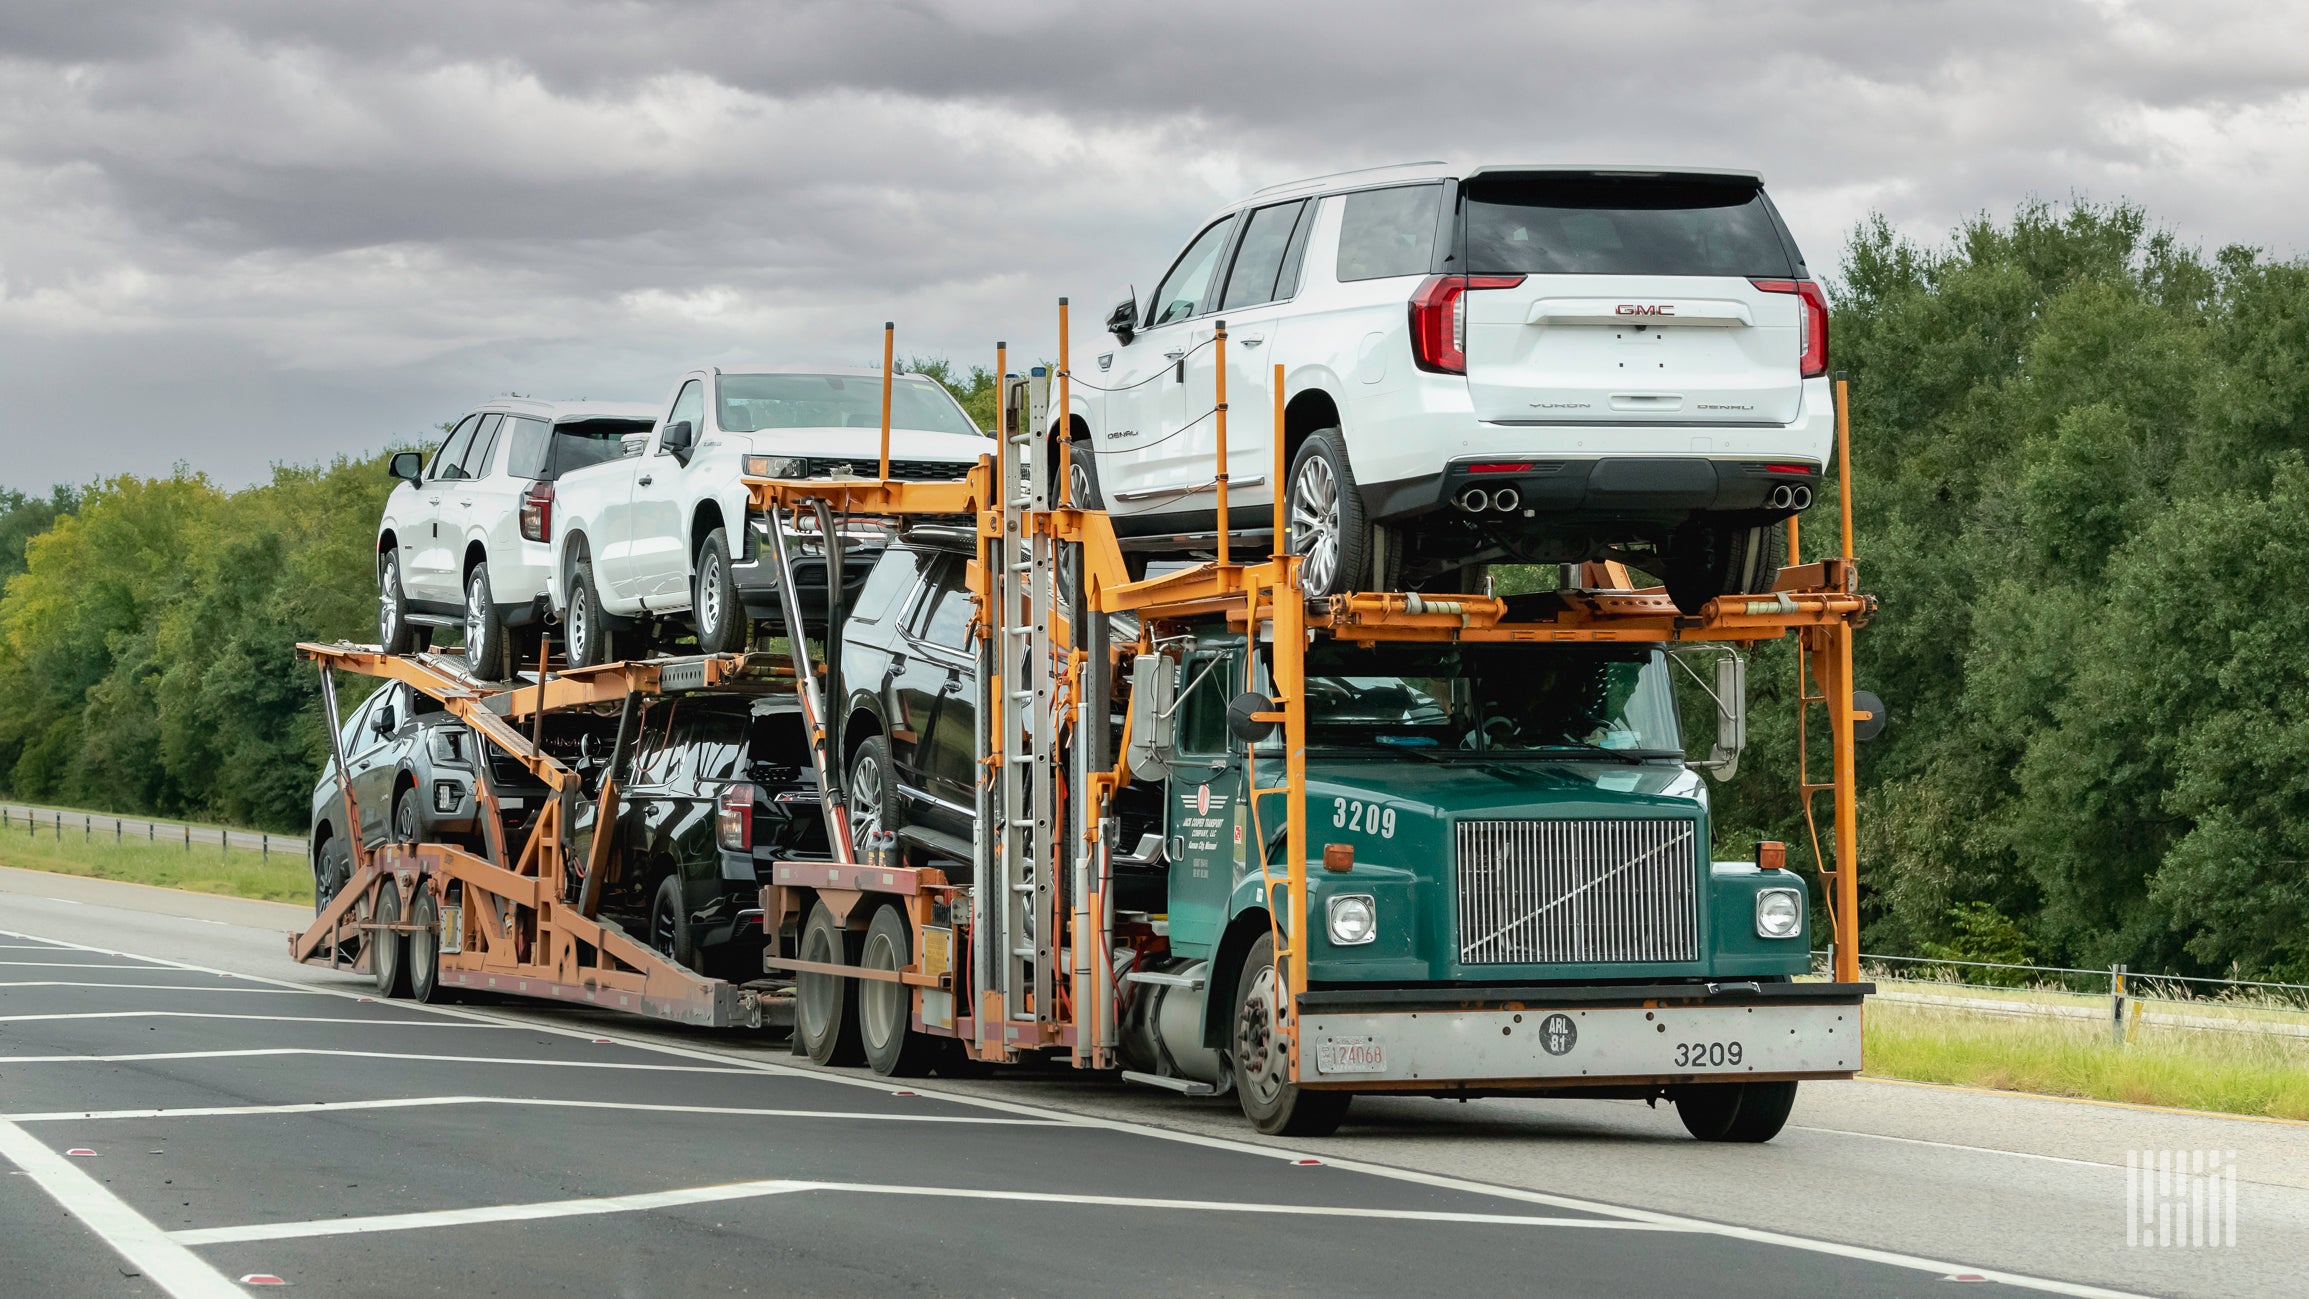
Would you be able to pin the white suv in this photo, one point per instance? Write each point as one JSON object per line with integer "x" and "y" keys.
{"x": 463, "y": 542}
{"x": 1489, "y": 364}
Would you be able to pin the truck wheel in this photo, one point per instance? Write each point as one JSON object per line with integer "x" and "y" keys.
{"x": 1746, "y": 1111}
{"x": 394, "y": 631}
{"x": 486, "y": 636}
{"x": 408, "y": 817}
{"x": 1324, "y": 513}
{"x": 1274, "y": 1104}
{"x": 873, "y": 797}
{"x": 668, "y": 928}
{"x": 424, "y": 955}
{"x": 587, "y": 635}
{"x": 826, "y": 1005}
{"x": 886, "y": 1009}
{"x": 335, "y": 867}
{"x": 390, "y": 950}
{"x": 721, "y": 621}
{"x": 1705, "y": 560}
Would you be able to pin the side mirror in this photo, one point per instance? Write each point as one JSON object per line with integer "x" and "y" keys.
{"x": 1242, "y": 719}
{"x": 1122, "y": 322}
{"x": 678, "y": 438}
{"x": 1152, "y": 734}
{"x": 1731, "y": 698}
{"x": 382, "y": 721}
{"x": 408, "y": 466}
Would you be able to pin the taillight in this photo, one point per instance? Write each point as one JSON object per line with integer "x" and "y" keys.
{"x": 1439, "y": 319}
{"x": 734, "y": 817}
{"x": 537, "y": 512}
{"x": 1811, "y": 322}
{"x": 1500, "y": 467}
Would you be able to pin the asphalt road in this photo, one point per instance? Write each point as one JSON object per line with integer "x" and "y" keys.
{"x": 244, "y": 1117}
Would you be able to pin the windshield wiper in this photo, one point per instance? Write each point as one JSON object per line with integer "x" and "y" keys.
{"x": 1636, "y": 756}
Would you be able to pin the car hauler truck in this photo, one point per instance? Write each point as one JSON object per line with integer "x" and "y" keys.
{"x": 1378, "y": 842}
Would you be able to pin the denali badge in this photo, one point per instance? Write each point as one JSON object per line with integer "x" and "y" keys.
{"x": 1644, "y": 309}
{"x": 1711, "y": 405}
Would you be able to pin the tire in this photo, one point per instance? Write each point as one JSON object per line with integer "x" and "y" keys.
{"x": 873, "y": 792}
{"x": 886, "y": 1010}
{"x": 424, "y": 947}
{"x": 721, "y": 622}
{"x": 1324, "y": 515}
{"x": 586, "y": 634}
{"x": 408, "y": 817}
{"x": 332, "y": 870}
{"x": 390, "y": 963}
{"x": 1705, "y": 560}
{"x": 826, "y": 1005}
{"x": 1082, "y": 476}
{"x": 669, "y": 935}
{"x": 1747, "y": 1111}
{"x": 488, "y": 642}
{"x": 395, "y": 634}
{"x": 1276, "y": 1107}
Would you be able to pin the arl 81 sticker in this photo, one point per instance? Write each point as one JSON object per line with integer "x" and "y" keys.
{"x": 1374, "y": 819}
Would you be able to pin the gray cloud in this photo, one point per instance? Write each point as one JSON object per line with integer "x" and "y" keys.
{"x": 239, "y": 232}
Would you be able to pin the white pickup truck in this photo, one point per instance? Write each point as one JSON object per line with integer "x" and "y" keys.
{"x": 661, "y": 537}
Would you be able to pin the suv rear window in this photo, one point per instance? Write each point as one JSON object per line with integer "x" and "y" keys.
{"x": 1387, "y": 232}
{"x": 1608, "y": 225}
{"x": 548, "y": 451}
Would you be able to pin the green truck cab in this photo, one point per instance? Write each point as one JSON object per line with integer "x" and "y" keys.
{"x": 1509, "y": 886}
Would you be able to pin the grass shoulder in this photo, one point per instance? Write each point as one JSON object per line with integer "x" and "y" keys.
{"x": 281, "y": 876}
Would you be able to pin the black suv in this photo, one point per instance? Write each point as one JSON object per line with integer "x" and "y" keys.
{"x": 717, "y": 788}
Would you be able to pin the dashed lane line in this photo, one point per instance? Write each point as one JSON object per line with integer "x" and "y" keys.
{"x": 168, "y": 1263}
{"x": 776, "y": 1186}
{"x": 73, "y": 965}
{"x": 286, "y": 990}
{"x": 1808, "y": 1244}
{"x": 243, "y": 1053}
{"x": 219, "y": 1014}
{"x": 425, "y": 1102}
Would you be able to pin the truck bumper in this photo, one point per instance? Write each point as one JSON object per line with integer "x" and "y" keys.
{"x": 1546, "y": 1043}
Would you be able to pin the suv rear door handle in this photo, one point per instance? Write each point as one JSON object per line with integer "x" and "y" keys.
{"x": 645, "y": 480}
{"x": 1173, "y": 356}
{"x": 1252, "y": 341}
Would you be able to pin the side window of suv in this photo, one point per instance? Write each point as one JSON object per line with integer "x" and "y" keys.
{"x": 1388, "y": 232}
{"x": 476, "y": 461}
{"x": 1259, "y": 259}
{"x": 446, "y": 460}
{"x": 689, "y": 404}
{"x": 1186, "y": 291}
{"x": 946, "y": 620}
{"x": 889, "y": 582}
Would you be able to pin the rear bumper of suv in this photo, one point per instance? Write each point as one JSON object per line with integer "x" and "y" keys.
{"x": 1501, "y": 488}
{"x": 755, "y": 575}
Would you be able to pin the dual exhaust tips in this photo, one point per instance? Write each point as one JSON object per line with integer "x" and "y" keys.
{"x": 1476, "y": 500}
{"x": 1791, "y": 496}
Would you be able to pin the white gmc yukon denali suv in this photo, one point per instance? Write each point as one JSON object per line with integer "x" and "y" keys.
{"x": 1530, "y": 364}
{"x": 661, "y": 537}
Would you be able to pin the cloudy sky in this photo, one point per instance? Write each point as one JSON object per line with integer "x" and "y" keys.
{"x": 246, "y": 231}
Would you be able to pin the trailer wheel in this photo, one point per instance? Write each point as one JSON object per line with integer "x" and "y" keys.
{"x": 1745, "y": 1111}
{"x": 1261, "y": 1063}
{"x": 390, "y": 951}
{"x": 826, "y": 1005}
{"x": 886, "y": 1009}
{"x": 714, "y": 609}
{"x": 425, "y": 947}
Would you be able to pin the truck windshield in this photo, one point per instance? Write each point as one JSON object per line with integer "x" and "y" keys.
{"x": 1497, "y": 700}
{"x": 753, "y": 402}
{"x": 1620, "y": 226}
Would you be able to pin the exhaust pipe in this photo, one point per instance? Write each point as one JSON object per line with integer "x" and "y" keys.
{"x": 1475, "y": 500}
{"x": 1803, "y": 497}
{"x": 1506, "y": 499}
{"x": 1782, "y": 497}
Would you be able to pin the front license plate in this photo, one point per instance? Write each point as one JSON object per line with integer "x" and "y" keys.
{"x": 1350, "y": 1055}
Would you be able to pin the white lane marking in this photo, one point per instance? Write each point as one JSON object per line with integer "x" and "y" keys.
{"x": 75, "y": 965}
{"x": 243, "y": 1053}
{"x": 219, "y": 1014}
{"x": 287, "y": 989}
{"x": 32, "y": 947}
{"x": 749, "y": 1190}
{"x": 1834, "y": 1249}
{"x": 169, "y": 1264}
{"x": 423, "y": 1102}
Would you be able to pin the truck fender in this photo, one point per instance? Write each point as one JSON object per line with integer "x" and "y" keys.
{"x": 1245, "y": 929}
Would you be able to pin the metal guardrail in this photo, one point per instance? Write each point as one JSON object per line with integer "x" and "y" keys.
{"x": 2128, "y": 993}
{"x": 90, "y": 827}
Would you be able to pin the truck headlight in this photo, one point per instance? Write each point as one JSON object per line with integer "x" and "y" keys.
{"x": 1779, "y": 913}
{"x": 1353, "y": 918}
{"x": 447, "y": 746}
{"x": 777, "y": 467}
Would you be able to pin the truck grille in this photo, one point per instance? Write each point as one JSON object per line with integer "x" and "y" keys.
{"x": 913, "y": 471}
{"x": 1565, "y": 892}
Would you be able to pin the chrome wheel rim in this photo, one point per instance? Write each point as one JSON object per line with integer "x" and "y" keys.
{"x": 423, "y": 940}
{"x": 388, "y": 603}
{"x": 880, "y": 1004}
{"x": 865, "y": 802}
{"x": 710, "y": 596}
{"x": 1315, "y": 524}
{"x": 476, "y": 617}
{"x": 1257, "y": 1048}
{"x": 817, "y": 991}
{"x": 579, "y": 625}
{"x": 1078, "y": 480}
